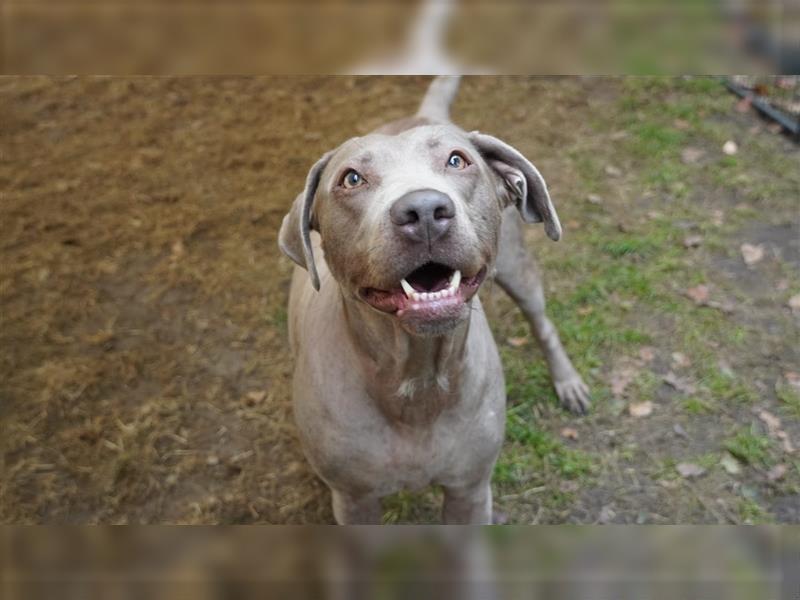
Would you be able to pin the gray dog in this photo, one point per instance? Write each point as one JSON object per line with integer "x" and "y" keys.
{"x": 398, "y": 382}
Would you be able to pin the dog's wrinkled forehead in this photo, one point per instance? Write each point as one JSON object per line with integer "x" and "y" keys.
{"x": 411, "y": 159}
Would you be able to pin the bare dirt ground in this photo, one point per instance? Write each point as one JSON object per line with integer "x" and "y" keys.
{"x": 144, "y": 369}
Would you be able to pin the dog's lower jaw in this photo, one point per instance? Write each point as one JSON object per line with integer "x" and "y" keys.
{"x": 426, "y": 328}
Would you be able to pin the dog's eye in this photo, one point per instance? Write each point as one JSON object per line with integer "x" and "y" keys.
{"x": 352, "y": 179}
{"x": 457, "y": 161}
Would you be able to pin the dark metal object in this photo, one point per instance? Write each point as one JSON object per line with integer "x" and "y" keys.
{"x": 791, "y": 125}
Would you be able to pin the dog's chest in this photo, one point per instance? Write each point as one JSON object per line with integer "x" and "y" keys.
{"x": 413, "y": 457}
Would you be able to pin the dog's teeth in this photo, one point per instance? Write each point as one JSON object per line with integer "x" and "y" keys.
{"x": 425, "y": 295}
{"x": 415, "y": 296}
{"x": 455, "y": 280}
{"x": 407, "y": 288}
{"x": 437, "y": 295}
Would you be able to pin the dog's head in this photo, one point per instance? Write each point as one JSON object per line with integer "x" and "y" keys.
{"x": 409, "y": 223}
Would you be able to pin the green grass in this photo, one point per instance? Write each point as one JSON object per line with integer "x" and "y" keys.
{"x": 405, "y": 506}
{"x": 639, "y": 246}
{"x": 621, "y": 284}
{"x": 749, "y": 447}
{"x": 536, "y": 454}
{"x": 696, "y": 406}
{"x": 751, "y": 512}
{"x": 790, "y": 400}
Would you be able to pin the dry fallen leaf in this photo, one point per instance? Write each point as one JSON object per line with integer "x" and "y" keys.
{"x": 594, "y": 199}
{"x": 647, "y": 354}
{"x": 256, "y": 396}
{"x": 775, "y": 430}
{"x": 772, "y": 422}
{"x": 752, "y": 254}
{"x": 725, "y": 368}
{"x": 517, "y": 342}
{"x": 793, "y": 379}
{"x": 744, "y": 104}
{"x": 717, "y": 217}
{"x": 794, "y": 303}
{"x": 680, "y": 361}
{"x": 178, "y": 250}
{"x": 569, "y": 487}
{"x": 689, "y": 470}
{"x": 680, "y": 431}
{"x": 786, "y": 443}
{"x": 699, "y": 293}
{"x": 613, "y": 171}
{"x": 724, "y": 306}
{"x": 777, "y": 472}
{"x": 585, "y": 310}
{"x": 679, "y": 383}
{"x": 681, "y": 124}
{"x": 730, "y": 464}
{"x": 620, "y": 378}
{"x": 640, "y": 409}
{"x": 691, "y": 155}
{"x": 730, "y": 148}
{"x": 569, "y": 433}
{"x": 692, "y": 241}
{"x": 607, "y": 515}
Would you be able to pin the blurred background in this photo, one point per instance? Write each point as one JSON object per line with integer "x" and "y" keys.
{"x": 414, "y": 36}
{"x": 553, "y": 563}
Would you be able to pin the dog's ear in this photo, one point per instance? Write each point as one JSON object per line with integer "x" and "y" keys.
{"x": 524, "y": 185}
{"x": 294, "y": 238}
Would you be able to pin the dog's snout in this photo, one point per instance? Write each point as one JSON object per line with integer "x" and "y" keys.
{"x": 423, "y": 215}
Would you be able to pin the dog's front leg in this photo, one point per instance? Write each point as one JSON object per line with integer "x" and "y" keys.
{"x": 349, "y": 509}
{"x": 518, "y": 274}
{"x": 469, "y": 504}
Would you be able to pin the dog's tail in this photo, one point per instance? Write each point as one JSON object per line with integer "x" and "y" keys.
{"x": 440, "y": 95}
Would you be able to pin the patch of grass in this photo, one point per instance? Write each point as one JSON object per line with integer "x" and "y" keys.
{"x": 527, "y": 379}
{"x": 790, "y": 400}
{"x": 696, "y": 406}
{"x": 751, "y": 512}
{"x": 749, "y": 447}
{"x": 537, "y": 452}
{"x": 404, "y": 506}
{"x": 279, "y": 318}
{"x": 708, "y": 461}
{"x": 641, "y": 246}
{"x": 645, "y": 384}
{"x": 724, "y": 387}
{"x": 653, "y": 140}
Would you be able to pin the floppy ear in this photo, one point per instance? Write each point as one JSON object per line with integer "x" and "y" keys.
{"x": 523, "y": 182}
{"x": 294, "y": 238}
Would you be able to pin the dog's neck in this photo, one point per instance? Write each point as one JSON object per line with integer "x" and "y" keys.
{"x": 411, "y": 378}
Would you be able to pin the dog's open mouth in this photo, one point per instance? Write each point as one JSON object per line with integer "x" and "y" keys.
{"x": 431, "y": 291}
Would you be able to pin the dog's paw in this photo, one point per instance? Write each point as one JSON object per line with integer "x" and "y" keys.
{"x": 574, "y": 395}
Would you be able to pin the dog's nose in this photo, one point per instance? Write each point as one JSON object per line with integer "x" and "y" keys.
{"x": 423, "y": 215}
